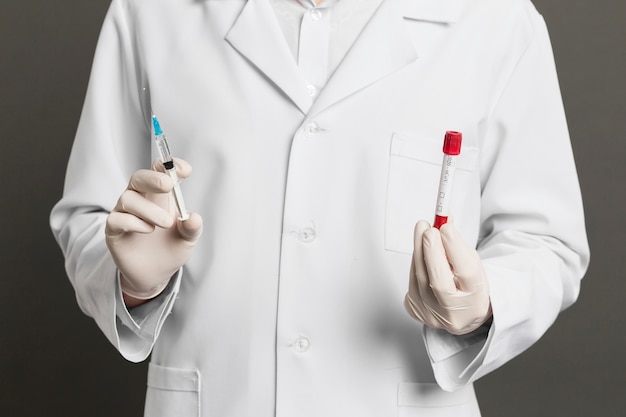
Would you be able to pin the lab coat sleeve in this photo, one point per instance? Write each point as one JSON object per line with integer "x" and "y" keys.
{"x": 532, "y": 238}
{"x": 112, "y": 141}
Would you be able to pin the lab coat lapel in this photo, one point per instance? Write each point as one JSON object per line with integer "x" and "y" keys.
{"x": 384, "y": 46}
{"x": 257, "y": 36}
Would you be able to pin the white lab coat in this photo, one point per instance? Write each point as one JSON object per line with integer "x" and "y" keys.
{"x": 292, "y": 302}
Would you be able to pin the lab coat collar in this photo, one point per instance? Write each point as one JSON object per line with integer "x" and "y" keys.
{"x": 437, "y": 11}
{"x": 257, "y": 36}
{"x": 382, "y": 48}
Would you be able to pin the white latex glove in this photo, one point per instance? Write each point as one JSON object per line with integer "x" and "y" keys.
{"x": 147, "y": 241}
{"x": 448, "y": 288}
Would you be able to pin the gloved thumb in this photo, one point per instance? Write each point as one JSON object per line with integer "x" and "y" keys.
{"x": 463, "y": 259}
{"x": 190, "y": 229}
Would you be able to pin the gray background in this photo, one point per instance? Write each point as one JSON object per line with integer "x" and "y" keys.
{"x": 54, "y": 361}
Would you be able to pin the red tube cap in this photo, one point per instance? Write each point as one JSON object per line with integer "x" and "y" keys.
{"x": 452, "y": 142}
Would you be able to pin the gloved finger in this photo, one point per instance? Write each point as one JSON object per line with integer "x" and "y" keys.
{"x": 149, "y": 181}
{"x": 463, "y": 259}
{"x": 118, "y": 223}
{"x": 439, "y": 272}
{"x": 183, "y": 168}
{"x": 191, "y": 229}
{"x": 132, "y": 202}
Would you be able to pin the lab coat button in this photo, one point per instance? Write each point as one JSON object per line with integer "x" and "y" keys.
{"x": 312, "y": 128}
{"x": 316, "y": 14}
{"x": 301, "y": 344}
{"x": 311, "y": 89}
{"x": 306, "y": 234}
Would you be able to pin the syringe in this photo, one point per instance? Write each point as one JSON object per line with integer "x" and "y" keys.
{"x": 168, "y": 164}
{"x": 451, "y": 148}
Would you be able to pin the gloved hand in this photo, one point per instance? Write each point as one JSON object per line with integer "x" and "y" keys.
{"x": 147, "y": 241}
{"x": 448, "y": 288}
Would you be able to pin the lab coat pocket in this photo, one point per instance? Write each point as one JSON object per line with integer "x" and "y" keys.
{"x": 172, "y": 392}
{"x": 413, "y": 182}
{"x": 420, "y": 399}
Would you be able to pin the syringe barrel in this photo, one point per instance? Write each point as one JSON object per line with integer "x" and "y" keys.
{"x": 164, "y": 151}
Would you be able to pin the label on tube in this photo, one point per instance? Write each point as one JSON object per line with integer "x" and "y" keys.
{"x": 451, "y": 149}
